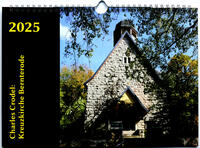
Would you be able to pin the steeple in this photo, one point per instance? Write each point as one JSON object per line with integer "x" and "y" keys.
{"x": 123, "y": 26}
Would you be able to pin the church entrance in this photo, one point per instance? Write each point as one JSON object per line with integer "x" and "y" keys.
{"x": 126, "y": 113}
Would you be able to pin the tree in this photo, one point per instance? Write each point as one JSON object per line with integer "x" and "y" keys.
{"x": 86, "y": 25}
{"x": 162, "y": 32}
{"x": 182, "y": 79}
{"x": 168, "y": 31}
{"x": 178, "y": 113}
{"x": 72, "y": 94}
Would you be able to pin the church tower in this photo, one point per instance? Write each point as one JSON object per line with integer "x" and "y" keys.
{"x": 123, "y": 26}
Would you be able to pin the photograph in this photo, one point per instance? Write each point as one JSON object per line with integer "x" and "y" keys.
{"x": 128, "y": 77}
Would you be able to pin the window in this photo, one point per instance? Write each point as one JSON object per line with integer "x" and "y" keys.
{"x": 127, "y": 60}
{"x": 124, "y": 59}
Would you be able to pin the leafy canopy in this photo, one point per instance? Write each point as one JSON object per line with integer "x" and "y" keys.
{"x": 181, "y": 101}
{"x": 72, "y": 94}
{"x": 162, "y": 32}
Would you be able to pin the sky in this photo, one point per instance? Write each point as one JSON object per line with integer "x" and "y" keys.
{"x": 102, "y": 50}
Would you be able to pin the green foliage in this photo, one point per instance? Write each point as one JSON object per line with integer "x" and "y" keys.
{"x": 72, "y": 94}
{"x": 162, "y": 32}
{"x": 181, "y": 100}
{"x": 72, "y": 112}
{"x": 85, "y": 26}
{"x": 72, "y": 83}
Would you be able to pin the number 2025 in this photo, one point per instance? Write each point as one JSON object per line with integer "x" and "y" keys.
{"x": 24, "y": 27}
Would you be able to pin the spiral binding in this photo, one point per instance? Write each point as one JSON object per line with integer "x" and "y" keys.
{"x": 108, "y": 4}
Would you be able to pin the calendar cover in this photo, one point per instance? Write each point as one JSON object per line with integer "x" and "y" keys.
{"x": 80, "y": 77}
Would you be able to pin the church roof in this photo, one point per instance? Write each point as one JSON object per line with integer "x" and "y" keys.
{"x": 125, "y": 33}
{"x": 146, "y": 62}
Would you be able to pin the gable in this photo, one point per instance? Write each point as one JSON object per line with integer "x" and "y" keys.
{"x": 111, "y": 86}
{"x": 132, "y": 42}
{"x": 125, "y": 35}
{"x": 129, "y": 97}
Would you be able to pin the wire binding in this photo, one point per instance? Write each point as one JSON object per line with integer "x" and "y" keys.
{"x": 112, "y": 5}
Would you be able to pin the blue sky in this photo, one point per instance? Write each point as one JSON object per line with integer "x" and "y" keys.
{"x": 100, "y": 52}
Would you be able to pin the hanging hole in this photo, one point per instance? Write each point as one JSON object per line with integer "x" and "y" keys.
{"x": 101, "y": 8}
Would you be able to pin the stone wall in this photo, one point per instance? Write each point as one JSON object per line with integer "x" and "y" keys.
{"x": 112, "y": 76}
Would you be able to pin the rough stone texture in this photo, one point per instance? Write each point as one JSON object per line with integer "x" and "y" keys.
{"x": 112, "y": 73}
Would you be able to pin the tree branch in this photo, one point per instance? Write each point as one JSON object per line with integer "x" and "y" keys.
{"x": 181, "y": 36}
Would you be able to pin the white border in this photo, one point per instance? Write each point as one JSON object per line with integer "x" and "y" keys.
{"x": 92, "y": 3}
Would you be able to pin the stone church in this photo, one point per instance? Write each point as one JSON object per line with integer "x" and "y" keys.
{"x": 132, "y": 109}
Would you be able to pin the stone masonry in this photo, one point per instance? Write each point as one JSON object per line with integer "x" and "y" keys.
{"x": 112, "y": 75}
